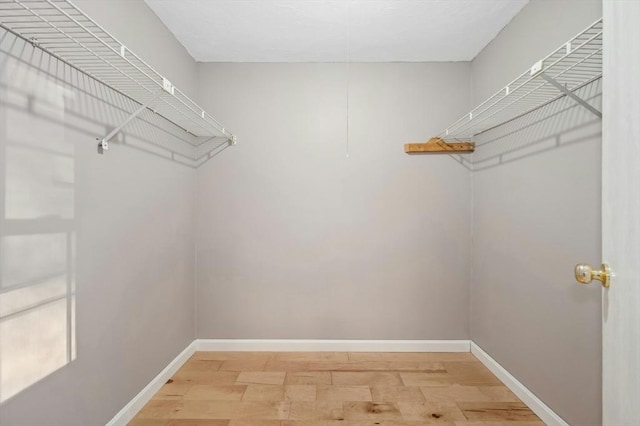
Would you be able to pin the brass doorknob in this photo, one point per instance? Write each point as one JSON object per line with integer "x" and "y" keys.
{"x": 585, "y": 274}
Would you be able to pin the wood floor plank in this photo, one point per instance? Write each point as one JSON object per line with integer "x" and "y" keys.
{"x": 431, "y": 412}
{"x": 372, "y": 411}
{"x": 438, "y": 379}
{"x": 243, "y": 365}
{"x": 343, "y": 393}
{"x": 178, "y": 422}
{"x": 425, "y": 367}
{"x": 280, "y": 393}
{"x": 412, "y": 356}
{"x": 454, "y": 393}
{"x": 499, "y": 423}
{"x": 253, "y": 422}
{"x": 334, "y": 366}
{"x": 374, "y": 422}
{"x": 138, "y": 421}
{"x": 172, "y": 390}
{"x": 316, "y": 410}
{"x": 499, "y": 393}
{"x": 396, "y": 393}
{"x": 216, "y": 392}
{"x": 160, "y": 409}
{"x": 425, "y": 379}
{"x": 205, "y": 377}
{"x": 264, "y": 393}
{"x": 300, "y": 392}
{"x": 312, "y": 356}
{"x": 500, "y": 411}
{"x": 267, "y": 410}
{"x": 261, "y": 377}
{"x": 369, "y": 378}
{"x": 194, "y": 364}
{"x": 286, "y": 365}
{"x": 308, "y": 378}
{"x": 334, "y": 389}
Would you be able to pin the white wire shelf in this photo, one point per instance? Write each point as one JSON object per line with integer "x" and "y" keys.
{"x": 569, "y": 68}
{"x": 59, "y": 28}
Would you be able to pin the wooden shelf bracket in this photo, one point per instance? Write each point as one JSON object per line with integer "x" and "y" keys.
{"x": 438, "y": 145}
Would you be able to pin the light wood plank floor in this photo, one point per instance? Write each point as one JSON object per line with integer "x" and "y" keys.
{"x": 334, "y": 388}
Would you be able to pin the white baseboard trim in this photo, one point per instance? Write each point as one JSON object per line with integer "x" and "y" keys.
{"x": 546, "y": 414}
{"x": 294, "y": 345}
{"x": 129, "y": 411}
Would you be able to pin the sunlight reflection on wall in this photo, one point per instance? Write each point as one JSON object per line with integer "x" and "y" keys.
{"x": 37, "y": 245}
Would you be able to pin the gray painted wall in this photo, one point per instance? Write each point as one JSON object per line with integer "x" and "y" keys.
{"x": 536, "y": 216}
{"x": 130, "y": 216}
{"x": 295, "y": 240}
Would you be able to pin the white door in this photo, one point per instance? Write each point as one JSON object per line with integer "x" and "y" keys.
{"x": 621, "y": 212}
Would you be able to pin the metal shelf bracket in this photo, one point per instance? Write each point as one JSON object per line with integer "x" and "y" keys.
{"x": 570, "y": 94}
{"x": 104, "y": 142}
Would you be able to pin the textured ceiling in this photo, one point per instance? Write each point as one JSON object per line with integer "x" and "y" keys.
{"x": 335, "y": 30}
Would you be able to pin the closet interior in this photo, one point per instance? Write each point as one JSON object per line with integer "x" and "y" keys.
{"x": 127, "y": 237}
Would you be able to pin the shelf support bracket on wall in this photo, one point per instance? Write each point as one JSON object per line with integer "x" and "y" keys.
{"x": 570, "y": 94}
{"x": 438, "y": 145}
{"x": 104, "y": 142}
